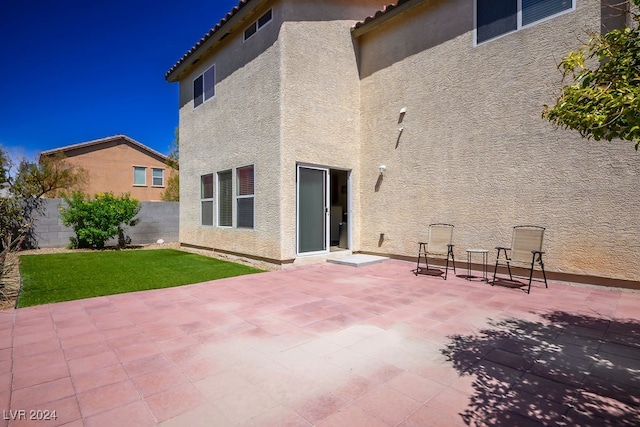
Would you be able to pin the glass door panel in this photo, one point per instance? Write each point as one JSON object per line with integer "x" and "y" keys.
{"x": 312, "y": 209}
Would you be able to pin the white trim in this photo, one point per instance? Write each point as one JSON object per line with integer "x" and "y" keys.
{"x": 258, "y": 28}
{"x": 153, "y": 177}
{"x": 327, "y": 243}
{"x": 547, "y": 18}
{"x": 208, "y": 199}
{"x": 134, "y": 176}
{"x": 217, "y": 204}
{"x": 248, "y": 196}
{"x": 519, "y": 25}
{"x": 204, "y": 88}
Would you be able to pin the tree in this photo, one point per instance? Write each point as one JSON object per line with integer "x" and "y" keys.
{"x": 172, "y": 191}
{"x": 51, "y": 176}
{"x": 602, "y": 101}
{"x": 24, "y": 191}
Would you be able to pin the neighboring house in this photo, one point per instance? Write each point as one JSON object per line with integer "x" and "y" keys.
{"x": 118, "y": 164}
{"x": 303, "y": 101}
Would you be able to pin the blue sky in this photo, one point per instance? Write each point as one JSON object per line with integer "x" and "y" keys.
{"x": 76, "y": 70}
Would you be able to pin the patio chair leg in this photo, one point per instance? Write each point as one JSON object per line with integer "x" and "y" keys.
{"x": 446, "y": 268}
{"x": 531, "y": 273}
{"x": 421, "y": 250}
{"x": 453, "y": 260}
{"x": 543, "y": 273}
{"x": 495, "y": 270}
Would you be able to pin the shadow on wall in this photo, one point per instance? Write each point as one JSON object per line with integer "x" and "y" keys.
{"x": 427, "y": 25}
{"x": 564, "y": 370}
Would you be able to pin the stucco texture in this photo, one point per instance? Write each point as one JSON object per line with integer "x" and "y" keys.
{"x": 289, "y": 95}
{"x": 240, "y": 126}
{"x": 475, "y": 152}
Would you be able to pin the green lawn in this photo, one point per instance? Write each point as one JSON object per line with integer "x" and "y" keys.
{"x": 64, "y": 277}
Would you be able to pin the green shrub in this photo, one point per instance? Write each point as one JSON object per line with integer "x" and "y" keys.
{"x": 98, "y": 220}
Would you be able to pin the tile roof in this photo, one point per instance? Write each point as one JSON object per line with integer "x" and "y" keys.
{"x": 385, "y": 10}
{"x": 103, "y": 141}
{"x": 241, "y": 4}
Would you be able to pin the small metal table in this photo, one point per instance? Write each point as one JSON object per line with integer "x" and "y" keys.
{"x": 485, "y": 258}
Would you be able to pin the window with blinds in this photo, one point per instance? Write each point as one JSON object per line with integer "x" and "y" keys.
{"x": 157, "y": 177}
{"x": 206, "y": 199}
{"x": 495, "y": 18}
{"x": 139, "y": 175}
{"x": 245, "y": 197}
{"x": 225, "y": 199}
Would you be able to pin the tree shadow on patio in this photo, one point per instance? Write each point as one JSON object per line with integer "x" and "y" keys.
{"x": 562, "y": 370}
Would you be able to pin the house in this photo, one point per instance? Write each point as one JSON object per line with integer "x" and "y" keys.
{"x": 118, "y": 164}
{"x": 376, "y": 120}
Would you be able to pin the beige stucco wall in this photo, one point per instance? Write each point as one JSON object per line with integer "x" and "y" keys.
{"x": 320, "y": 100}
{"x": 110, "y": 166}
{"x": 240, "y": 126}
{"x": 287, "y": 95}
{"x": 475, "y": 151}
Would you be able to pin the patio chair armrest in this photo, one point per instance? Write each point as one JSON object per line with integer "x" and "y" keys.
{"x": 502, "y": 248}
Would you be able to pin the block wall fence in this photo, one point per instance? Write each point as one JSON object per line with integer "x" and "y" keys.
{"x": 158, "y": 220}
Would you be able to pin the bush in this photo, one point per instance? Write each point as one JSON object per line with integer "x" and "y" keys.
{"x": 98, "y": 220}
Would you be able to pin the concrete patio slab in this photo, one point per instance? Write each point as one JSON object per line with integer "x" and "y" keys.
{"x": 327, "y": 345}
{"x": 358, "y": 260}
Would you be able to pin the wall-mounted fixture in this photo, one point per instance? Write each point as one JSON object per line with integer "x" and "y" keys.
{"x": 382, "y": 168}
{"x": 400, "y": 129}
{"x": 403, "y": 111}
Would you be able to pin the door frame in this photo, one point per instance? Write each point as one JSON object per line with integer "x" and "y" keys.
{"x": 327, "y": 200}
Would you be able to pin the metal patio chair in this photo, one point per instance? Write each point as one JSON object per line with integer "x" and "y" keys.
{"x": 439, "y": 245}
{"x": 525, "y": 251}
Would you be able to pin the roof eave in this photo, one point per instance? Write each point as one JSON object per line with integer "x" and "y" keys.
{"x": 383, "y": 16}
{"x": 220, "y": 31}
{"x": 103, "y": 141}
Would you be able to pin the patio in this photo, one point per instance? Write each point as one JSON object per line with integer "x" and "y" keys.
{"x": 327, "y": 345}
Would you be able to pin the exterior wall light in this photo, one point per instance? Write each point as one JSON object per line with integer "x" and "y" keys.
{"x": 382, "y": 168}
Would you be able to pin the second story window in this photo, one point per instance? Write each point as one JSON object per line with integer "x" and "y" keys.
{"x": 257, "y": 25}
{"x": 204, "y": 86}
{"x": 157, "y": 177}
{"x": 139, "y": 175}
{"x": 498, "y": 17}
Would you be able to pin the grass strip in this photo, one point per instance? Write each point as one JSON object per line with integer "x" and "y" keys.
{"x": 70, "y": 276}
